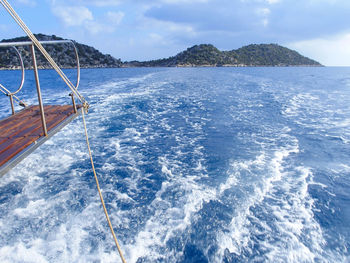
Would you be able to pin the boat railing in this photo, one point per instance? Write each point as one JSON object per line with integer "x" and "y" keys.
{"x": 12, "y": 95}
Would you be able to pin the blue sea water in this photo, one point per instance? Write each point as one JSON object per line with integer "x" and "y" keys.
{"x": 196, "y": 165}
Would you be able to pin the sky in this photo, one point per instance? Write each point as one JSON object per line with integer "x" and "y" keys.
{"x": 152, "y": 29}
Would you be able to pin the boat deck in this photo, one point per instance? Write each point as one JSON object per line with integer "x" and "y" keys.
{"x": 22, "y": 133}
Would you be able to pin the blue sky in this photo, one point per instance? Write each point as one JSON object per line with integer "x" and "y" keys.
{"x": 146, "y": 29}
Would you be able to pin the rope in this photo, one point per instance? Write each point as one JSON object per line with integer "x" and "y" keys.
{"x": 35, "y": 41}
{"x": 99, "y": 190}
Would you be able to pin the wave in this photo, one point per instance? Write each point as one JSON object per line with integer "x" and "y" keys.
{"x": 206, "y": 164}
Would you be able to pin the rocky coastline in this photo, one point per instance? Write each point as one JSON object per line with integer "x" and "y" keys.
{"x": 204, "y": 55}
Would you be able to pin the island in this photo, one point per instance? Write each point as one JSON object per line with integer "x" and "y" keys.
{"x": 63, "y": 54}
{"x": 203, "y": 55}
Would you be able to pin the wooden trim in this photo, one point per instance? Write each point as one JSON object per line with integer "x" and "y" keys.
{"x": 22, "y": 133}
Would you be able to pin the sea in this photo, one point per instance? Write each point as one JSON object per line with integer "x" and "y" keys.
{"x": 195, "y": 165}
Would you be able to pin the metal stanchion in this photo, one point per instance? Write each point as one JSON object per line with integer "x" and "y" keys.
{"x": 38, "y": 90}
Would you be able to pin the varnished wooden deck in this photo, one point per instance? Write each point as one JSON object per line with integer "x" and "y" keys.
{"x": 22, "y": 133}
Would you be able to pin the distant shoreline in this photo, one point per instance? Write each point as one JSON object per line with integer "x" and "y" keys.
{"x": 178, "y": 66}
{"x": 202, "y": 55}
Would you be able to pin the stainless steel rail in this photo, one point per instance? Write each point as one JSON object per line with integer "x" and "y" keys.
{"x": 27, "y": 43}
{"x": 12, "y": 94}
{"x": 7, "y": 92}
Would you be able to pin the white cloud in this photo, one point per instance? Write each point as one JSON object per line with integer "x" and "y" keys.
{"x": 95, "y": 27}
{"x": 333, "y": 51}
{"x": 73, "y": 15}
{"x": 81, "y": 16}
{"x": 115, "y": 17}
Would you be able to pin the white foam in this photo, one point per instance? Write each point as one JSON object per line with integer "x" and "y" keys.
{"x": 172, "y": 214}
{"x": 31, "y": 209}
{"x": 169, "y": 221}
{"x": 181, "y": 196}
{"x": 289, "y": 211}
{"x": 21, "y": 253}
